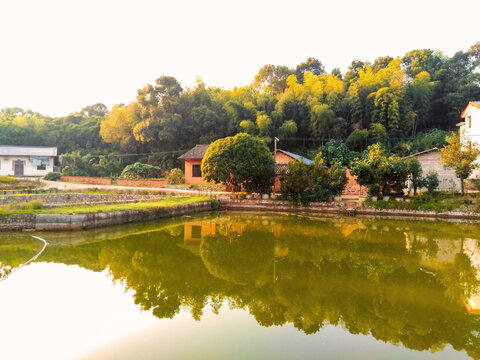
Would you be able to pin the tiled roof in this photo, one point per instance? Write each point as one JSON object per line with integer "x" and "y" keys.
{"x": 198, "y": 152}
{"x": 422, "y": 152}
{"x": 296, "y": 157}
{"x": 27, "y": 150}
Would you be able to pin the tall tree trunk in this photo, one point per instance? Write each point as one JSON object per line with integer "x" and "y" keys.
{"x": 461, "y": 187}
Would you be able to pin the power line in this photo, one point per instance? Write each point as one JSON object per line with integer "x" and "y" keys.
{"x": 143, "y": 154}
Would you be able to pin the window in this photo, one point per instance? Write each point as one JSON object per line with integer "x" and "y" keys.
{"x": 196, "y": 232}
{"x": 469, "y": 122}
{"x": 196, "y": 171}
{"x": 42, "y": 167}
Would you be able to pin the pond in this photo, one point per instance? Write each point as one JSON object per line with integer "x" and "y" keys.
{"x": 244, "y": 285}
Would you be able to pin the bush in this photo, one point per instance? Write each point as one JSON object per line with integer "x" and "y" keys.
{"x": 380, "y": 172}
{"x": 357, "y": 140}
{"x": 53, "y": 176}
{"x": 431, "y": 181}
{"x": 33, "y": 205}
{"x": 337, "y": 178}
{"x": 176, "y": 176}
{"x": 141, "y": 171}
{"x": 306, "y": 183}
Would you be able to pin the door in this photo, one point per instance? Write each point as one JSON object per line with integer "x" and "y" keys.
{"x": 18, "y": 167}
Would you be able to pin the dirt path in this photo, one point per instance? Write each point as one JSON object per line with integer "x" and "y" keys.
{"x": 61, "y": 185}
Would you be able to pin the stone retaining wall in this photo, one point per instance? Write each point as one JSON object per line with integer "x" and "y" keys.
{"x": 143, "y": 182}
{"x": 87, "y": 180}
{"x": 275, "y": 205}
{"x": 49, "y": 222}
{"x": 17, "y": 222}
{"x": 76, "y": 199}
{"x": 226, "y": 203}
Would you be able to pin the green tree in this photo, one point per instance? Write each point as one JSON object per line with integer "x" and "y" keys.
{"x": 272, "y": 78}
{"x": 311, "y": 65}
{"x": 322, "y": 120}
{"x": 357, "y": 140}
{"x": 240, "y": 160}
{"x": 380, "y": 172}
{"x": 461, "y": 156}
{"x": 334, "y": 152}
{"x": 414, "y": 170}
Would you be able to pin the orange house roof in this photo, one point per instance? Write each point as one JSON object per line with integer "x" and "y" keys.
{"x": 470, "y": 104}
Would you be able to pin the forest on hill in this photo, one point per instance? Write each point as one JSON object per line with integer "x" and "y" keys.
{"x": 408, "y": 103}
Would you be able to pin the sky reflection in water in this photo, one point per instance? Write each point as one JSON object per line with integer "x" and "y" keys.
{"x": 245, "y": 286}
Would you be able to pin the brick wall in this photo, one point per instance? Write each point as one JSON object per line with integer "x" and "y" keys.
{"x": 353, "y": 188}
{"x": 142, "y": 182}
{"x": 88, "y": 180}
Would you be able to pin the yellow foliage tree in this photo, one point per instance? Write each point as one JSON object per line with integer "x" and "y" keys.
{"x": 461, "y": 156}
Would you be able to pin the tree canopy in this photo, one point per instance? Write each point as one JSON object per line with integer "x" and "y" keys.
{"x": 241, "y": 160}
{"x": 406, "y": 103}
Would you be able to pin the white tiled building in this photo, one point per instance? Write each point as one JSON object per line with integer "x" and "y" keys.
{"x": 430, "y": 160}
{"x": 469, "y": 129}
{"x": 26, "y": 160}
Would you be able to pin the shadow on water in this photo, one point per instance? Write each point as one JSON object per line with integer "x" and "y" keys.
{"x": 415, "y": 283}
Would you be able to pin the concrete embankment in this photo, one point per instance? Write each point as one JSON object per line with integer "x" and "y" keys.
{"x": 227, "y": 203}
{"x": 278, "y": 205}
{"x": 94, "y": 220}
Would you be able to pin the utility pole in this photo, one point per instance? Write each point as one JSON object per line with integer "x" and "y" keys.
{"x": 274, "y": 161}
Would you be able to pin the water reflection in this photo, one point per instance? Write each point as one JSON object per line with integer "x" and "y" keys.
{"x": 403, "y": 282}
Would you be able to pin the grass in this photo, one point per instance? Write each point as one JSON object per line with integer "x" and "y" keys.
{"x": 437, "y": 202}
{"x": 85, "y": 209}
{"x": 8, "y": 180}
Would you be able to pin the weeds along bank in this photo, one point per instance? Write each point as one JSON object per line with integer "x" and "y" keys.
{"x": 92, "y": 216}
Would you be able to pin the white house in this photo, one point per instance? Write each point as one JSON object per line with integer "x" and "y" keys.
{"x": 470, "y": 128}
{"x": 430, "y": 160}
{"x": 26, "y": 160}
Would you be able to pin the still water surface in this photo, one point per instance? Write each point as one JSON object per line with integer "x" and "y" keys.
{"x": 247, "y": 286}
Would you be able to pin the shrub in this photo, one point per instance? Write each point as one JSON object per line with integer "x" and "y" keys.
{"x": 305, "y": 183}
{"x": 141, "y": 171}
{"x": 53, "y": 176}
{"x": 33, "y": 205}
{"x": 337, "y": 178}
{"x": 357, "y": 140}
{"x": 431, "y": 181}
{"x": 176, "y": 176}
{"x": 380, "y": 172}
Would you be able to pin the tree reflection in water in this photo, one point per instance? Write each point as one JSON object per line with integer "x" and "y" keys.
{"x": 400, "y": 281}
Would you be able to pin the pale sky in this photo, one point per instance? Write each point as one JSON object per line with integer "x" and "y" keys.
{"x": 58, "y": 56}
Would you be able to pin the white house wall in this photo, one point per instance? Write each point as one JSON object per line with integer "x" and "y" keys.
{"x": 446, "y": 176}
{"x": 7, "y": 167}
{"x": 473, "y": 133}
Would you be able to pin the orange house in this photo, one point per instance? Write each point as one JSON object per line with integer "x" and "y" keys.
{"x": 282, "y": 159}
{"x": 193, "y": 161}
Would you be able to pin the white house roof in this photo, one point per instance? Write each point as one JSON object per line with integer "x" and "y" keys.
{"x": 27, "y": 150}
